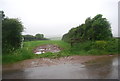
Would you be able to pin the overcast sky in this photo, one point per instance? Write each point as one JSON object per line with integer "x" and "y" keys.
{"x": 57, "y": 17}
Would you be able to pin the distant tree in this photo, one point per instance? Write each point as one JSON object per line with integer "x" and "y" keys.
{"x": 33, "y": 38}
{"x": 11, "y": 34}
{"x": 29, "y": 38}
{"x": 39, "y": 36}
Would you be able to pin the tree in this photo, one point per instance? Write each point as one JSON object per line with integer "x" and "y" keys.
{"x": 29, "y": 38}
{"x": 39, "y": 36}
{"x": 11, "y": 34}
{"x": 97, "y": 28}
{"x": 33, "y": 38}
{"x": 101, "y": 28}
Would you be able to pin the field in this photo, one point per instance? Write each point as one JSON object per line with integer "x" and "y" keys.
{"x": 84, "y": 48}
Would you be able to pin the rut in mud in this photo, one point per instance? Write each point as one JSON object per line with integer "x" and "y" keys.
{"x": 47, "y": 48}
{"x": 40, "y": 62}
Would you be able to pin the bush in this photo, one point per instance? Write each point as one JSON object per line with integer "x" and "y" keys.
{"x": 112, "y": 46}
{"x": 11, "y": 35}
{"x": 101, "y": 45}
{"x": 96, "y": 47}
{"x": 83, "y": 46}
{"x": 97, "y": 28}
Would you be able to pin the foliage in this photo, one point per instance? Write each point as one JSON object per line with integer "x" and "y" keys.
{"x": 33, "y": 38}
{"x": 100, "y": 45}
{"x": 97, "y": 47}
{"x": 39, "y": 36}
{"x": 29, "y": 37}
{"x": 86, "y": 48}
{"x": 11, "y": 34}
{"x": 27, "y": 51}
{"x": 97, "y": 28}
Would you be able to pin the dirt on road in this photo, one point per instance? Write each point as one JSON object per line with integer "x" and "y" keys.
{"x": 49, "y": 62}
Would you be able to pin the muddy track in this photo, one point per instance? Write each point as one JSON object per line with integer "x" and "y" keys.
{"x": 48, "y": 62}
{"x": 47, "y": 48}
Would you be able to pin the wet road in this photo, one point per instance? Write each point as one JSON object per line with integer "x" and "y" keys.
{"x": 105, "y": 68}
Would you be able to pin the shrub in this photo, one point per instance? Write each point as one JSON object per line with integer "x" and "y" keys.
{"x": 112, "y": 46}
{"x": 101, "y": 45}
{"x": 11, "y": 35}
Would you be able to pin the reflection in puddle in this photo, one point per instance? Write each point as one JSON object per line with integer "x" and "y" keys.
{"x": 106, "y": 68}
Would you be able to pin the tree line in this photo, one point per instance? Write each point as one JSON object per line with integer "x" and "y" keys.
{"x": 97, "y": 28}
{"x": 33, "y": 38}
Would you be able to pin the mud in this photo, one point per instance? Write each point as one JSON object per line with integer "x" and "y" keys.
{"x": 73, "y": 67}
{"x": 47, "y": 48}
{"x": 31, "y": 63}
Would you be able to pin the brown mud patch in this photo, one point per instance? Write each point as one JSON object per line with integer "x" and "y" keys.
{"x": 48, "y": 62}
{"x": 47, "y": 48}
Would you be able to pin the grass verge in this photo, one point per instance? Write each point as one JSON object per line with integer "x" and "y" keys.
{"x": 85, "y": 48}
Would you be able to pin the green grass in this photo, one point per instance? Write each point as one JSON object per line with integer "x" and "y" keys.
{"x": 27, "y": 51}
{"x": 85, "y": 48}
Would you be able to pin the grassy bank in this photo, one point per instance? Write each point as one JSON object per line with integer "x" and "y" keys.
{"x": 85, "y": 48}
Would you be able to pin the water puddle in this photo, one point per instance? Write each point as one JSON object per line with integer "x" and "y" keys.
{"x": 100, "y": 68}
{"x": 105, "y": 68}
{"x": 47, "y": 48}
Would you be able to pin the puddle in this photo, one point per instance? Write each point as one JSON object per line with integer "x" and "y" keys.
{"x": 47, "y": 48}
{"x": 100, "y": 68}
{"x": 105, "y": 68}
